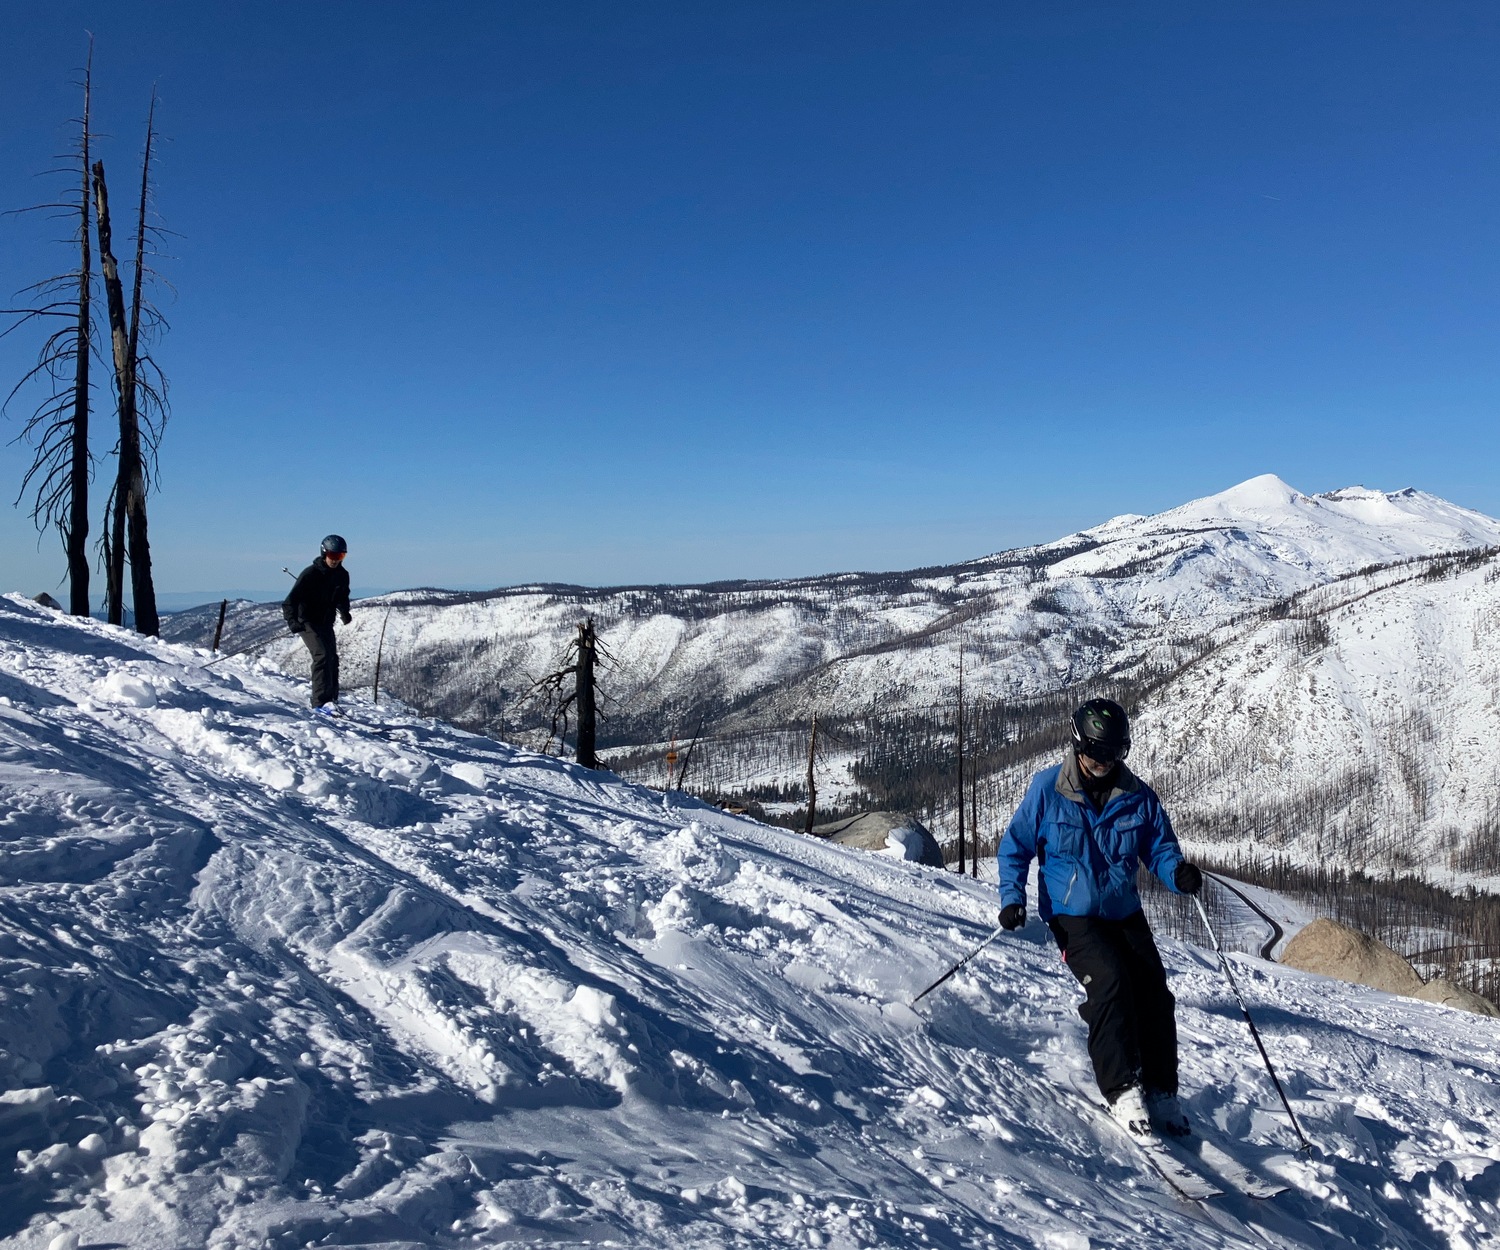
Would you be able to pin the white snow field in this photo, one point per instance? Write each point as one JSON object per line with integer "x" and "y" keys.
{"x": 273, "y": 982}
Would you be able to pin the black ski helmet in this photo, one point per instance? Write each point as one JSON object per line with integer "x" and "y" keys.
{"x": 334, "y": 545}
{"x": 1101, "y": 730}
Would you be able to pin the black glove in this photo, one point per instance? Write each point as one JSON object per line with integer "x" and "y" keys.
{"x": 1187, "y": 878}
{"x": 1013, "y": 915}
{"x": 346, "y": 618}
{"x": 297, "y": 627}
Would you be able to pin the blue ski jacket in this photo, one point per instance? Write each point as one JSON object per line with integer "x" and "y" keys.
{"x": 1087, "y": 860}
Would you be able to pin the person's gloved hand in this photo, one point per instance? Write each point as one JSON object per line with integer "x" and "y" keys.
{"x": 1187, "y": 878}
{"x": 1013, "y": 916}
{"x": 346, "y": 618}
{"x": 297, "y": 627}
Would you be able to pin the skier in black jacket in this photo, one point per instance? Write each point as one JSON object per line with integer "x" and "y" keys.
{"x": 321, "y": 591}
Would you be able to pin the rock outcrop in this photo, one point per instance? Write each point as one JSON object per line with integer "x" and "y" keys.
{"x": 1447, "y": 994}
{"x": 889, "y": 833}
{"x": 1335, "y": 950}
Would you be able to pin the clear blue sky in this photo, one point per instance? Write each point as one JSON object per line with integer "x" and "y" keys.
{"x": 605, "y": 292}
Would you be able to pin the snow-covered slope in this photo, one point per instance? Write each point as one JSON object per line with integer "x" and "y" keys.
{"x": 274, "y": 982}
{"x": 1353, "y": 730}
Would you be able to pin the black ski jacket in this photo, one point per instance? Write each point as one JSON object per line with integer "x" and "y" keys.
{"x": 320, "y": 594}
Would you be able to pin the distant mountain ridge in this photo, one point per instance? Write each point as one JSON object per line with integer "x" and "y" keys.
{"x": 1153, "y": 607}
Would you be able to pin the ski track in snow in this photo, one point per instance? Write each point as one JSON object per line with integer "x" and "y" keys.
{"x": 274, "y": 982}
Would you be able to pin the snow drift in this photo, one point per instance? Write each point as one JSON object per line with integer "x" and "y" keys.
{"x": 266, "y": 981}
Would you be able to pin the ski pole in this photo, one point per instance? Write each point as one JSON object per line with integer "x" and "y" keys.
{"x": 229, "y": 655}
{"x": 998, "y": 930}
{"x": 380, "y": 651}
{"x": 1254, "y": 1032}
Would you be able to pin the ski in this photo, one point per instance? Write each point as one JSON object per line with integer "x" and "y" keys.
{"x": 1182, "y": 1178}
{"x": 1228, "y": 1169}
{"x": 1207, "y": 1163}
{"x": 1194, "y": 1167}
{"x": 341, "y": 717}
{"x": 1188, "y": 1183}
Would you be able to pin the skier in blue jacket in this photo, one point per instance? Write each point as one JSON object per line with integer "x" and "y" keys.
{"x": 1090, "y": 823}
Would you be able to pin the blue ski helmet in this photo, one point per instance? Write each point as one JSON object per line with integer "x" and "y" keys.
{"x": 334, "y": 544}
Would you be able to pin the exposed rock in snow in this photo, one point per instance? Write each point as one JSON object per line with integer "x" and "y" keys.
{"x": 889, "y": 833}
{"x": 1332, "y": 949}
{"x": 1446, "y": 994}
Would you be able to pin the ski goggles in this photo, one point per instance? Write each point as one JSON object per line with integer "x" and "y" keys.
{"x": 1104, "y": 752}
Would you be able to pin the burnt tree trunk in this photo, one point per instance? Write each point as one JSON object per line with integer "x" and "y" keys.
{"x": 587, "y": 712}
{"x": 379, "y": 653}
{"x": 812, "y": 781}
{"x": 219, "y": 628}
{"x": 78, "y": 502}
{"x": 129, "y": 500}
{"x": 119, "y": 335}
{"x": 114, "y": 566}
{"x": 142, "y": 587}
{"x": 962, "y": 866}
{"x": 974, "y": 820}
{"x": 687, "y": 759}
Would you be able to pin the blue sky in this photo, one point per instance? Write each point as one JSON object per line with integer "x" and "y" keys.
{"x": 677, "y": 291}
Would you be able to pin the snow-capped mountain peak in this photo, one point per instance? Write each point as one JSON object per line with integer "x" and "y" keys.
{"x": 1283, "y": 536}
{"x": 1265, "y": 497}
{"x": 1412, "y": 520}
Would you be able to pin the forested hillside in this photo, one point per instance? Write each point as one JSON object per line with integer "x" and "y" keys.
{"x": 1302, "y": 668}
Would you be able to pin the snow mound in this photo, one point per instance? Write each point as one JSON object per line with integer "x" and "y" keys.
{"x": 120, "y": 687}
{"x": 271, "y": 981}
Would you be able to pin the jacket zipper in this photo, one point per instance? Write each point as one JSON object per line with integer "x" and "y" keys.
{"x": 1073, "y": 880}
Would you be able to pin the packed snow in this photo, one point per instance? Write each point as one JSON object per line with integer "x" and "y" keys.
{"x": 272, "y": 982}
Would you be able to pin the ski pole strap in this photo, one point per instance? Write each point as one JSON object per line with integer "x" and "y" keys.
{"x": 1254, "y": 1032}
{"x": 999, "y": 929}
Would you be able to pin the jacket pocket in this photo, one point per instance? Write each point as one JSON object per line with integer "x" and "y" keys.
{"x": 1120, "y": 837}
{"x": 1064, "y": 836}
{"x": 1120, "y": 883}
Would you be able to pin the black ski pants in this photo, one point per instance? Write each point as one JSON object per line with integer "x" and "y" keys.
{"x": 1129, "y": 1010}
{"x": 318, "y": 639}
